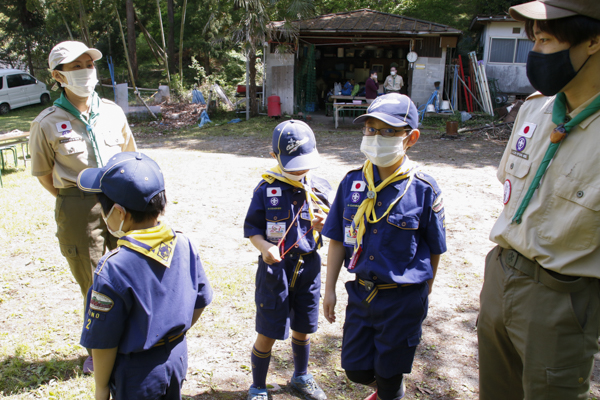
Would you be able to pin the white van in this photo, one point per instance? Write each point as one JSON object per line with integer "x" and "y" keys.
{"x": 18, "y": 89}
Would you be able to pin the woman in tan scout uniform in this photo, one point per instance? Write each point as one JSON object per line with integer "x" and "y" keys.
{"x": 80, "y": 131}
{"x": 540, "y": 302}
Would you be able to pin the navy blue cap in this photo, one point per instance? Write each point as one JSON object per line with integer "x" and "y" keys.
{"x": 295, "y": 146}
{"x": 130, "y": 179}
{"x": 394, "y": 109}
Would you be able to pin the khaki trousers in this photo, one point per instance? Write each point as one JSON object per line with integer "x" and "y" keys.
{"x": 535, "y": 342}
{"x": 82, "y": 234}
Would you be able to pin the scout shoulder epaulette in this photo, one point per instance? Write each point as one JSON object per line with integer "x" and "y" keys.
{"x": 103, "y": 261}
{"x": 45, "y": 113}
{"x": 427, "y": 179}
{"x": 107, "y": 101}
{"x": 534, "y": 96}
{"x": 359, "y": 168}
{"x": 262, "y": 182}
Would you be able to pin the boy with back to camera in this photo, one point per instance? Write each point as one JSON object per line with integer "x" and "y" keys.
{"x": 387, "y": 224}
{"x": 285, "y": 217}
{"x": 147, "y": 292}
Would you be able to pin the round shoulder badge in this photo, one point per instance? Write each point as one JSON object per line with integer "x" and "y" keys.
{"x": 507, "y": 190}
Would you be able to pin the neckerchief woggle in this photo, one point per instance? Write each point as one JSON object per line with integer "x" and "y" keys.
{"x": 65, "y": 104}
{"x": 156, "y": 243}
{"x": 275, "y": 174}
{"x": 564, "y": 126}
{"x": 366, "y": 210}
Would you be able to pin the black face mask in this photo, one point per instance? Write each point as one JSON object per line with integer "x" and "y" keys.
{"x": 549, "y": 73}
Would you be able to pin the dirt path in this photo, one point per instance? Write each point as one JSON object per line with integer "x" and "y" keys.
{"x": 209, "y": 185}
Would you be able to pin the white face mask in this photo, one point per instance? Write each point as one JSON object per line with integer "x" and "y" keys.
{"x": 81, "y": 82}
{"x": 393, "y": 73}
{"x": 383, "y": 151}
{"x": 293, "y": 177}
{"x": 374, "y": 77}
{"x": 119, "y": 233}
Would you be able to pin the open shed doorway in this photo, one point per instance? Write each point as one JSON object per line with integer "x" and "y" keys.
{"x": 338, "y": 62}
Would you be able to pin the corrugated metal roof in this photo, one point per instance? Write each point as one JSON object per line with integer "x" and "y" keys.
{"x": 370, "y": 21}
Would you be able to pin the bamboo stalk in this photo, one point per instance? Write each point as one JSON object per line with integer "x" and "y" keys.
{"x": 181, "y": 42}
{"x": 162, "y": 32}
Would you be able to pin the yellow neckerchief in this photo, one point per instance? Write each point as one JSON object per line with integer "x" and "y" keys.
{"x": 367, "y": 207}
{"x": 275, "y": 174}
{"x": 157, "y": 242}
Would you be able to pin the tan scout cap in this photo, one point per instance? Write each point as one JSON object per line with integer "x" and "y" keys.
{"x": 555, "y": 9}
{"x": 69, "y": 51}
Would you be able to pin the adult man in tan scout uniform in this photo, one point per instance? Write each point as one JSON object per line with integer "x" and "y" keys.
{"x": 394, "y": 82}
{"x": 540, "y": 311}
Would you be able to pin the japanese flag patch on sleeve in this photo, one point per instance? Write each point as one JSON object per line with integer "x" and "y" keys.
{"x": 101, "y": 302}
{"x": 358, "y": 186}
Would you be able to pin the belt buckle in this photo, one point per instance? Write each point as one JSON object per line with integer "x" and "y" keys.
{"x": 369, "y": 285}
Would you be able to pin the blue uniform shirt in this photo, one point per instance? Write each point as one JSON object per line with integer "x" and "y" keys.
{"x": 398, "y": 248}
{"x": 137, "y": 301}
{"x": 273, "y": 208}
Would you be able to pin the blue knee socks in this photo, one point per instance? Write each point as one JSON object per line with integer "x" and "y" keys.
{"x": 260, "y": 368}
{"x": 301, "y": 349}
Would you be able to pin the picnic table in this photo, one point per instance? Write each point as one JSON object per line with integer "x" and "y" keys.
{"x": 346, "y": 103}
{"x": 15, "y": 137}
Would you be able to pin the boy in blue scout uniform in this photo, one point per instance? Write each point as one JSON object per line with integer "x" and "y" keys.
{"x": 285, "y": 217}
{"x": 387, "y": 226}
{"x": 147, "y": 292}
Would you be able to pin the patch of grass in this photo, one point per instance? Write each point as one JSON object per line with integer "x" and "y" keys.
{"x": 20, "y": 118}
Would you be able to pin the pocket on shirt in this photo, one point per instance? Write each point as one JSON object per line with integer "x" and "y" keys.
{"x": 571, "y": 217}
{"x": 73, "y": 147}
{"x": 113, "y": 138}
{"x": 517, "y": 170}
{"x": 400, "y": 237}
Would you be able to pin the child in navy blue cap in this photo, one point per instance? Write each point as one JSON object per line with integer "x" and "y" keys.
{"x": 287, "y": 212}
{"x": 387, "y": 226}
{"x": 147, "y": 292}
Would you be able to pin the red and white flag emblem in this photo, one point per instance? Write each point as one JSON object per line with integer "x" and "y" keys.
{"x": 273, "y": 191}
{"x": 63, "y": 126}
{"x": 527, "y": 129}
{"x": 358, "y": 186}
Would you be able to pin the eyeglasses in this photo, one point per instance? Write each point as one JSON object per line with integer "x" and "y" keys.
{"x": 386, "y": 132}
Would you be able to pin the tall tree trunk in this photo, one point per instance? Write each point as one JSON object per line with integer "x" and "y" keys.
{"x": 171, "y": 35}
{"x": 252, "y": 89}
{"x": 183, "y": 9}
{"x": 29, "y": 59}
{"x": 131, "y": 38}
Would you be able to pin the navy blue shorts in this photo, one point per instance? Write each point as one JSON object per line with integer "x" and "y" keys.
{"x": 383, "y": 336}
{"x": 287, "y": 295}
{"x": 155, "y": 374}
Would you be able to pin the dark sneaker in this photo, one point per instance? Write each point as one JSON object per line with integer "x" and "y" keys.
{"x": 257, "y": 394}
{"x": 309, "y": 388}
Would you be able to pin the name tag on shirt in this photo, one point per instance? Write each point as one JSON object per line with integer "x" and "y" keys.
{"x": 358, "y": 186}
{"x": 349, "y": 239}
{"x": 275, "y": 230}
{"x": 527, "y": 129}
{"x": 274, "y": 191}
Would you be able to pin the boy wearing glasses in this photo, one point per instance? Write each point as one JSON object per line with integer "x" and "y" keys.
{"x": 284, "y": 222}
{"x": 387, "y": 226}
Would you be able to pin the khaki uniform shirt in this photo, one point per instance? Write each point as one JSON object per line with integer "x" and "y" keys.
{"x": 393, "y": 83}
{"x": 65, "y": 153}
{"x": 560, "y": 228}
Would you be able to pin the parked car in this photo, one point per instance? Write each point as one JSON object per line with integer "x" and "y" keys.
{"x": 18, "y": 89}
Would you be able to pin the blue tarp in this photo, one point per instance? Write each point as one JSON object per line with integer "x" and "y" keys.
{"x": 204, "y": 119}
{"x": 235, "y": 121}
{"x": 197, "y": 97}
